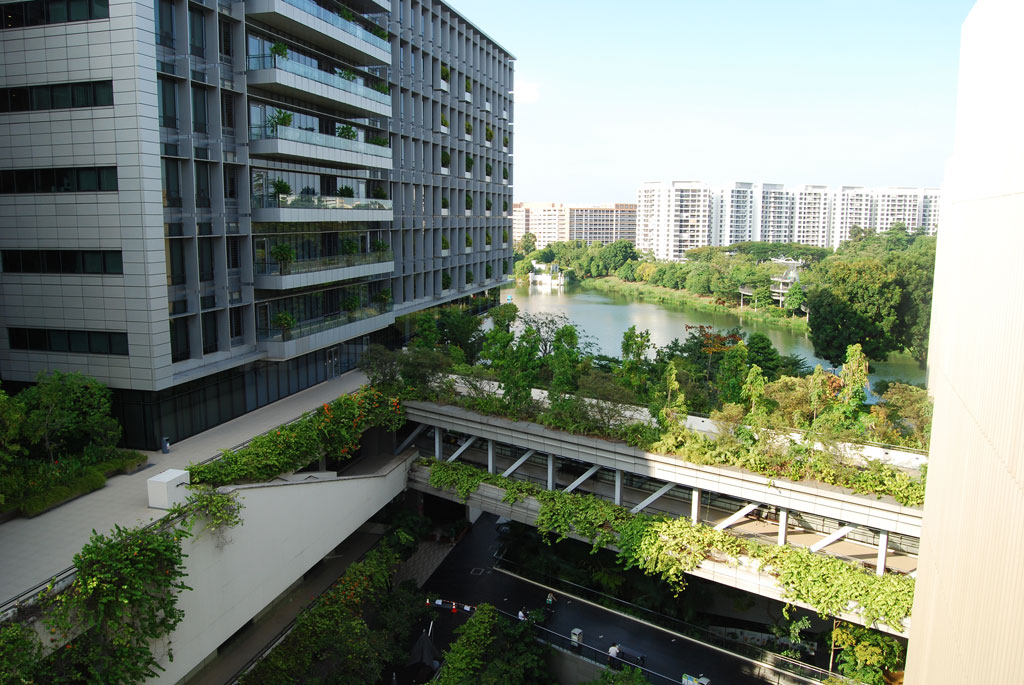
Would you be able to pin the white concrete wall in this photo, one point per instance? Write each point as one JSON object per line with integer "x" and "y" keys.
{"x": 287, "y": 528}
{"x": 970, "y": 598}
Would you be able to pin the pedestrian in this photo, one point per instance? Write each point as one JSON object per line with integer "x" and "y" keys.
{"x": 613, "y": 656}
{"x": 522, "y": 614}
{"x": 550, "y": 601}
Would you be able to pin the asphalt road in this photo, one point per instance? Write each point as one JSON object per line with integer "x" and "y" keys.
{"x": 466, "y": 576}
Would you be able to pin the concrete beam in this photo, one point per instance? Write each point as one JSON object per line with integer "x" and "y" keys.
{"x": 465, "y": 446}
{"x": 579, "y": 481}
{"x": 412, "y": 436}
{"x": 650, "y": 500}
{"x": 519, "y": 462}
{"x": 883, "y": 551}
{"x": 838, "y": 535}
{"x": 735, "y": 518}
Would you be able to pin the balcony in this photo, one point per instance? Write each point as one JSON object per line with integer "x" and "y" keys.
{"x": 442, "y": 85}
{"x": 285, "y": 142}
{"x": 319, "y": 208}
{"x": 309, "y": 21}
{"x": 314, "y": 334}
{"x": 320, "y": 270}
{"x": 306, "y": 83}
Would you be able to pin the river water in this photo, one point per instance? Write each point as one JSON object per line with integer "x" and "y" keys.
{"x": 604, "y": 317}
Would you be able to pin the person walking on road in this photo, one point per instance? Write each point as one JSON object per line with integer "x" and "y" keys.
{"x": 522, "y": 614}
{"x": 613, "y": 656}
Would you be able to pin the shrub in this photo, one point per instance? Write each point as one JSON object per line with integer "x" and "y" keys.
{"x": 91, "y": 480}
{"x": 445, "y": 72}
{"x": 444, "y": 204}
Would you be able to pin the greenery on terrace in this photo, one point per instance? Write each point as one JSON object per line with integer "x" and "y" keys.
{"x": 875, "y": 290}
{"x": 671, "y": 547}
{"x": 756, "y": 397}
{"x": 58, "y": 441}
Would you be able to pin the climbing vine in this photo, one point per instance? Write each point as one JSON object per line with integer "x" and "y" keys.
{"x": 465, "y": 656}
{"x": 672, "y": 547}
{"x": 216, "y": 510}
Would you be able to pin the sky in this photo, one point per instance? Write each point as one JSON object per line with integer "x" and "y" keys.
{"x": 838, "y": 92}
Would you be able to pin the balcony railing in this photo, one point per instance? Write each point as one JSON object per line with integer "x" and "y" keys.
{"x": 324, "y": 323}
{"x": 312, "y": 73}
{"x": 304, "y": 266}
{"x": 339, "y": 22}
{"x": 298, "y": 135}
{"x": 318, "y": 202}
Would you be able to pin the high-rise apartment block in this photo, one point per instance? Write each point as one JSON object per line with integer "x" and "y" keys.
{"x": 210, "y": 205}
{"x": 551, "y": 222}
{"x": 677, "y": 216}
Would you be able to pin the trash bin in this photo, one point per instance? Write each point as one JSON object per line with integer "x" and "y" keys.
{"x": 576, "y": 638}
{"x": 165, "y": 444}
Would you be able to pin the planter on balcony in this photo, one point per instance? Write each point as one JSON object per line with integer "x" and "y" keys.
{"x": 467, "y": 136}
{"x": 468, "y": 97}
{"x": 442, "y": 85}
{"x": 467, "y": 250}
{"x": 487, "y": 178}
{"x": 469, "y": 212}
{"x": 487, "y": 143}
{"x": 445, "y": 253}
{"x": 468, "y": 174}
{"x": 444, "y": 211}
{"x": 444, "y": 129}
{"x": 445, "y": 171}
{"x": 487, "y": 212}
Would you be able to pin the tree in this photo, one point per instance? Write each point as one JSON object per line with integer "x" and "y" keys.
{"x": 458, "y": 328}
{"x": 65, "y": 412}
{"x": 794, "y": 299}
{"x": 527, "y": 244}
{"x": 614, "y": 255}
{"x": 762, "y": 296}
{"x": 762, "y": 352}
{"x": 635, "y": 367}
{"x": 627, "y": 271}
{"x": 866, "y": 654}
{"x": 698, "y": 281}
{"x": 732, "y": 373}
{"x": 917, "y": 275}
{"x": 12, "y": 420}
{"x": 381, "y": 368}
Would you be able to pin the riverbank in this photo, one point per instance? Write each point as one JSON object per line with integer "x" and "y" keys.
{"x": 657, "y": 293}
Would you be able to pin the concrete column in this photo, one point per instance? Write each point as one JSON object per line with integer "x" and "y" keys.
{"x": 551, "y": 472}
{"x": 490, "y": 456}
{"x": 438, "y": 434}
{"x": 783, "y": 525}
{"x": 695, "y": 505}
{"x": 883, "y": 550}
{"x": 618, "y": 486}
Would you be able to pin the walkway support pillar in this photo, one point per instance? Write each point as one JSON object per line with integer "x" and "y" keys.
{"x": 883, "y": 550}
{"x": 551, "y": 472}
{"x": 490, "y": 456}
{"x": 438, "y": 452}
{"x": 695, "y": 505}
{"x": 783, "y": 525}
{"x": 618, "y": 487}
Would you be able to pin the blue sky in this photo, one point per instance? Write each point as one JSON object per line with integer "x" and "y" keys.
{"x": 609, "y": 95}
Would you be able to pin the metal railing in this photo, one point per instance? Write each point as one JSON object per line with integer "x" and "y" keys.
{"x": 298, "y": 135}
{"x": 303, "y": 266}
{"x": 301, "y": 201}
{"x": 323, "y": 323}
{"x": 312, "y": 73}
{"x": 339, "y": 22}
{"x": 694, "y": 632}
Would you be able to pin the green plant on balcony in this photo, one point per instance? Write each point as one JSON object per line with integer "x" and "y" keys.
{"x": 378, "y": 140}
{"x": 469, "y": 205}
{"x": 279, "y": 118}
{"x": 444, "y": 243}
{"x": 487, "y": 237}
{"x": 348, "y": 246}
{"x": 489, "y": 271}
{"x": 504, "y": 141}
{"x": 286, "y": 322}
{"x": 469, "y": 129}
{"x": 489, "y": 134}
{"x": 383, "y": 297}
{"x": 279, "y": 49}
{"x": 469, "y": 277}
{"x": 446, "y": 159}
{"x": 504, "y": 173}
{"x": 281, "y": 187}
{"x": 379, "y": 193}
{"x": 284, "y": 255}
{"x": 380, "y": 246}
{"x": 444, "y": 120}
{"x": 469, "y": 163}
{"x": 487, "y": 206}
{"x": 346, "y": 74}
{"x": 347, "y": 14}
{"x": 446, "y": 280}
{"x": 347, "y": 132}
{"x": 504, "y": 208}
{"x": 382, "y": 87}
{"x": 469, "y": 241}
{"x": 504, "y": 232}
{"x": 469, "y": 85}
{"x": 350, "y": 303}
{"x": 346, "y": 191}
{"x": 446, "y": 73}
{"x": 379, "y": 31}
{"x": 444, "y": 203}
{"x": 504, "y": 267}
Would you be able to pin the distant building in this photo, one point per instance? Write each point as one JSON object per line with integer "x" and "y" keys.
{"x": 552, "y": 222}
{"x": 673, "y": 217}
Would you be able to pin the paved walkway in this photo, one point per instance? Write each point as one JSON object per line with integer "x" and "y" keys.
{"x": 34, "y": 550}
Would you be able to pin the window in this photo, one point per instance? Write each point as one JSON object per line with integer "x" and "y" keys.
{"x": 165, "y": 23}
{"x": 202, "y": 184}
{"x": 224, "y": 38}
{"x": 57, "y": 340}
{"x": 179, "y": 340}
{"x": 237, "y": 327}
{"x": 65, "y": 180}
{"x": 209, "y": 320}
{"x": 206, "y": 271}
{"x": 230, "y": 182}
{"x": 199, "y": 118}
{"x": 40, "y": 12}
{"x": 234, "y": 252}
{"x": 167, "y": 97}
{"x": 175, "y": 262}
{"x": 171, "y": 179}
{"x": 227, "y": 109}
{"x": 197, "y": 33}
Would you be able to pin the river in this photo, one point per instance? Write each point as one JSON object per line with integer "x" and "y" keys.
{"x": 604, "y": 317}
